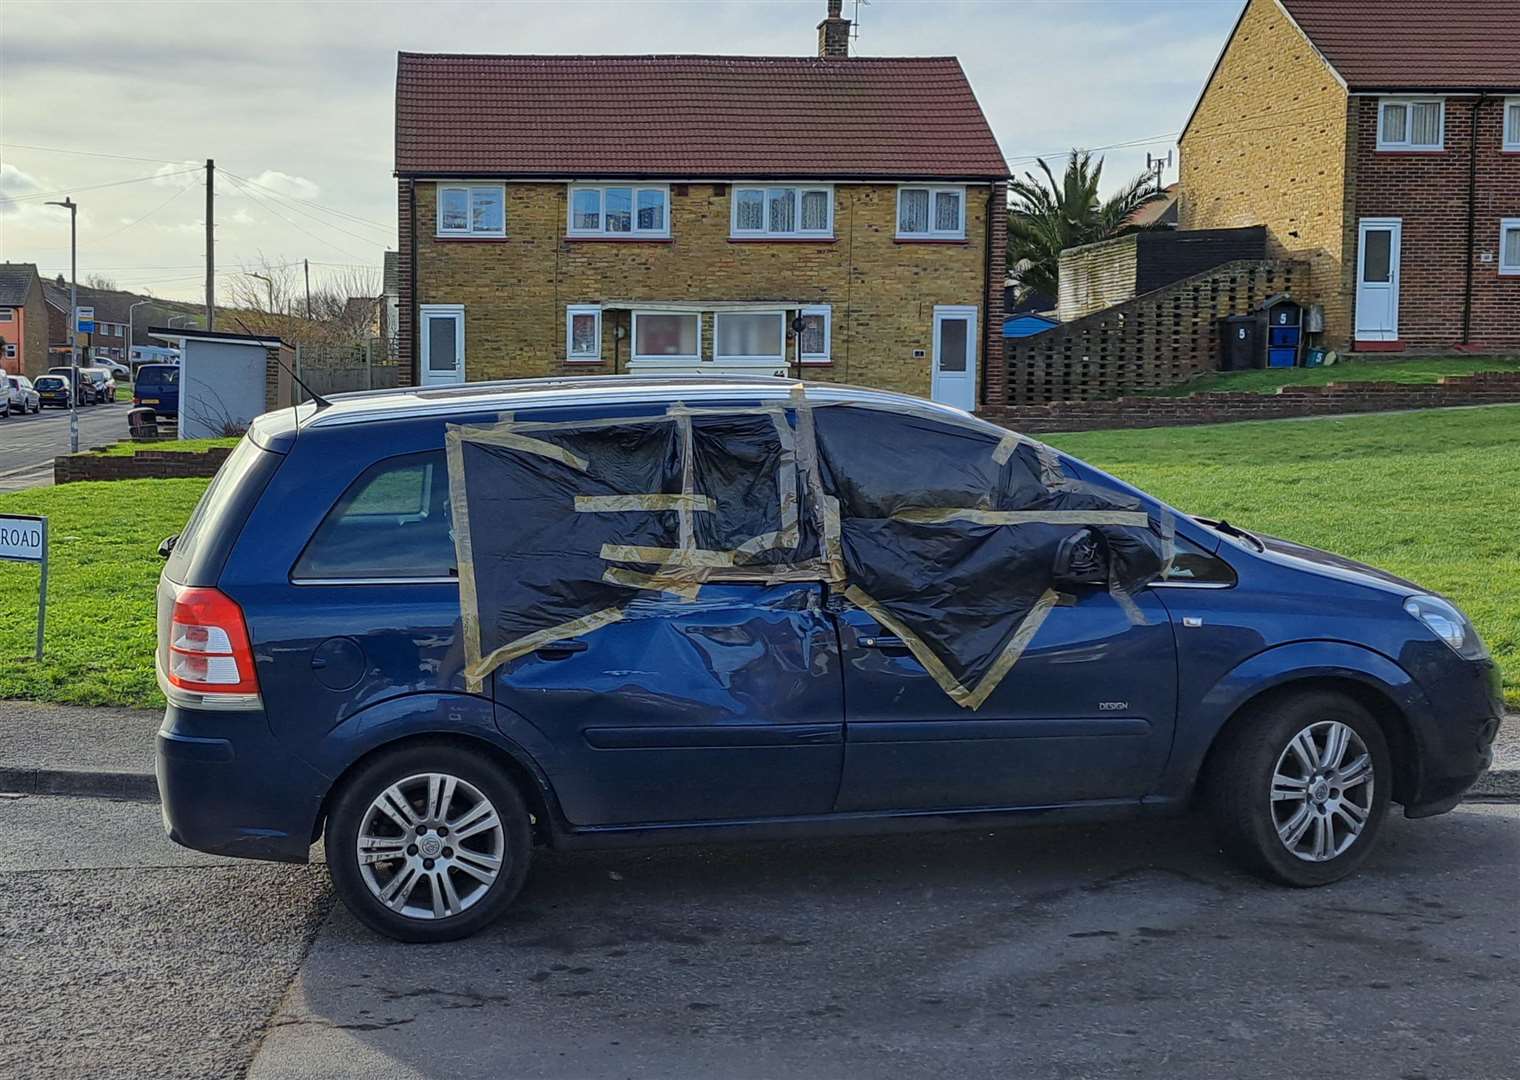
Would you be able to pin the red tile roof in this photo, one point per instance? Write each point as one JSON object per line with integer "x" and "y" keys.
{"x": 1416, "y": 44}
{"x": 690, "y": 116}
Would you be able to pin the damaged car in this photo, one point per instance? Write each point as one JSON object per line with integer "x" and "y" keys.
{"x": 438, "y": 628}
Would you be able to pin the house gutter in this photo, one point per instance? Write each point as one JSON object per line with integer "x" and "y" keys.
{"x": 411, "y": 202}
{"x": 1472, "y": 212}
{"x": 981, "y": 382}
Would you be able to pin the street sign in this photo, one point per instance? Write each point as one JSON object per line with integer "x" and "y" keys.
{"x": 84, "y": 319}
{"x": 25, "y": 539}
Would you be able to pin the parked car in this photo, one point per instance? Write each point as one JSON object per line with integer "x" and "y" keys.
{"x": 82, "y": 387}
{"x": 399, "y": 622}
{"x": 102, "y": 383}
{"x": 117, "y": 369}
{"x": 52, "y": 390}
{"x": 158, "y": 385}
{"x": 20, "y": 396}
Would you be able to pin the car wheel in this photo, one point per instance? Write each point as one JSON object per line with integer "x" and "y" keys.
{"x": 429, "y": 843}
{"x": 1299, "y": 787}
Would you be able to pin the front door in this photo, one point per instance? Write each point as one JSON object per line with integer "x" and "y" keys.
{"x": 1377, "y": 279}
{"x": 442, "y": 333}
{"x": 953, "y": 379}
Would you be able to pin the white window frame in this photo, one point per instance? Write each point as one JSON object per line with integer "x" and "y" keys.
{"x": 469, "y": 207}
{"x": 959, "y": 233}
{"x": 1511, "y": 104}
{"x": 571, "y": 356}
{"x": 1505, "y": 226}
{"x": 827, "y": 356}
{"x": 600, "y": 232}
{"x": 1409, "y": 147}
{"x": 765, "y": 232}
{"x": 718, "y": 357}
{"x": 657, "y": 358}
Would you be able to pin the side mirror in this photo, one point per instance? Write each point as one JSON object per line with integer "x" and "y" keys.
{"x": 166, "y": 546}
{"x": 1081, "y": 561}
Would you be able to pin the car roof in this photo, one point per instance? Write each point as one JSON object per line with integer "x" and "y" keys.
{"x": 373, "y": 406}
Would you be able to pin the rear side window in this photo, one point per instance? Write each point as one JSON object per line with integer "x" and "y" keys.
{"x": 219, "y": 515}
{"x": 392, "y": 522}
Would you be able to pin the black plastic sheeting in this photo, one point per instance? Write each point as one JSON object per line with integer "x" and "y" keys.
{"x": 946, "y": 531}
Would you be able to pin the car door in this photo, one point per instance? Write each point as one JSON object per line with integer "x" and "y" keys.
{"x": 1086, "y": 710}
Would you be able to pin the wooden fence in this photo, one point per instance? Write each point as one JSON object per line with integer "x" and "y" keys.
{"x": 1158, "y": 339}
{"x": 335, "y": 369}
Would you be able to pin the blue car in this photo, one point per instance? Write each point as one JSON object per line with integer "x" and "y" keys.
{"x": 443, "y": 627}
{"x": 157, "y": 386}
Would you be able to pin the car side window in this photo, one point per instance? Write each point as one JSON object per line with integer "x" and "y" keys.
{"x": 1191, "y": 565}
{"x": 392, "y": 522}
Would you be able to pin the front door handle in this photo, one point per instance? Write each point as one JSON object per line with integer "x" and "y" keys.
{"x": 559, "y": 650}
{"x": 884, "y": 642}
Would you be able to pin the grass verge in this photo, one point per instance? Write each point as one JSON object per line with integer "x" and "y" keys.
{"x": 1268, "y": 380}
{"x": 170, "y": 446}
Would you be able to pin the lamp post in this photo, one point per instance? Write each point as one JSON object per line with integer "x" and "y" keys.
{"x": 267, "y": 280}
{"x": 73, "y": 208}
{"x": 131, "y": 332}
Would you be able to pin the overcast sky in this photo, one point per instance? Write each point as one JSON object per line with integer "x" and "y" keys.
{"x": 296, "y": 98}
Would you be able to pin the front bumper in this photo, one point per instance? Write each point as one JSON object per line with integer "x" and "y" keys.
{"x": 1457, "y": 748}
{"x": 227, "y": 787}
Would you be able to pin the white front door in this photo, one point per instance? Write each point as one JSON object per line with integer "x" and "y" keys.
{"x": 441, "y": 328}
{"x": 1377, "y": 279}
{"x": 953, "y": 376}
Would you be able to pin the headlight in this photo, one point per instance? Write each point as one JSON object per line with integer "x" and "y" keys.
{"x": 1448, "y": 624}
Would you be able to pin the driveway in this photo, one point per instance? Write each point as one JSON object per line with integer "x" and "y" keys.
{"x": 28, "y": 444}
{"x": 1131, "y": 951}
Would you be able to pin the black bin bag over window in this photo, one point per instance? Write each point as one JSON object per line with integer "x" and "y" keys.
{"x": 945, "y": 530}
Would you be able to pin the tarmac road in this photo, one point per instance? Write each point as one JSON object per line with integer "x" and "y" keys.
{"x": 1128, "y": 951}
{"x": 28, "y": 444}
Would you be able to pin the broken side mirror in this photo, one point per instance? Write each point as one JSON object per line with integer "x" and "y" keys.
{"x": 166, "y": 546}
{"x": 1081, "y": 561}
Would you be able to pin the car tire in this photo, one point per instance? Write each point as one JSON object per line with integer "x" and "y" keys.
{"x": 1298, "y": 787}
{"x": 416, "y": 907}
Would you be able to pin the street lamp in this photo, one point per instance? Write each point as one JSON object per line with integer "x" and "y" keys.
{"x": 267, "y": 280}
{"x": 73, "y": 208}
{"x": 131, "y": 332}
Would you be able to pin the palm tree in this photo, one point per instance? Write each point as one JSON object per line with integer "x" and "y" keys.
{"x": 1045, "y": 217}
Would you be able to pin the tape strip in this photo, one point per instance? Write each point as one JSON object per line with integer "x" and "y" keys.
{"x": 614, "y": 504}
{"x": 1006, "y": 446}
{"x": 1012, "y": 651}
{"x": 464, "y": 556}
{"x": 633, "y": 579}
{"x": 659, "y": 556}
{"x": 937, "y": 516}
{"x": 539, "y": 638}
{"x": 511, "y": 440}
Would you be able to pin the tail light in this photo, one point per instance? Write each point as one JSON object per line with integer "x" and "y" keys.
{"x": 208, "y": 649}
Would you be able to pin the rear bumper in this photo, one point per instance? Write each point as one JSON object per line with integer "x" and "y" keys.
{"x": 227, "y": 787}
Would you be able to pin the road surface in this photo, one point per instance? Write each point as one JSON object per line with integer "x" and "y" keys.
{"x": 28, "y": 444}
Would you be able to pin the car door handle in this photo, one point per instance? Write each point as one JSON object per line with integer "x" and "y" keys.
{"x": 559, "y": 650}
{"x": 885, "y": 642}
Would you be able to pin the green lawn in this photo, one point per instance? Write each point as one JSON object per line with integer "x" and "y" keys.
{"x": 1431, "y": 496}
{"x": 1267, "y": 380}
{"x": 173, "y": 446}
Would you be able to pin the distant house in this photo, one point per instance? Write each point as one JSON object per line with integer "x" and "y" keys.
{"x": 1381, "y": 143}
{"x": 1158, "y": 213}
{"x": 681, "y": 213}
{"x": 23, "y": 320}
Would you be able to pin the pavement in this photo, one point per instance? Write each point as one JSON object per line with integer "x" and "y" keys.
{"x": 1130, "y": 950}
{"x": 28, "y": 444}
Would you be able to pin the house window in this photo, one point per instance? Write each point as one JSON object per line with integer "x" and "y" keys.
{"x": 472, "y": 210}
{"x": 1512, "y": 124}
{"x": 10, "y": 350}
{"x": 619, "y": 211}
{"x": 787, "y": 211}
{"x": 750, "y": 335}
{"x": 1411, "y": 124}
{"x": 583, "y": 332}
{"x": 6, "y": 314}
{"x": 666, "y": 336}
{"x": 931, "y": 213}
{"x": 816, "y": 334}
{"x": 1509, "y": 246}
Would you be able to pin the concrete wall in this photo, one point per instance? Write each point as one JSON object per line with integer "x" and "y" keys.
{"x": 1096, "y": 276}
{"x": 882, "y": 292}
{"x": 1269, "y": 146}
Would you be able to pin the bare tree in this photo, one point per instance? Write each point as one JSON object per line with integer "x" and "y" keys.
{"x": 100, "y": 281}
{"x": 270, "y": 298}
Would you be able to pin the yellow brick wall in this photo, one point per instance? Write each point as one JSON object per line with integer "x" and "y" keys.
{"x": 1268, "y": 146}
{"x": 882, "y": 292}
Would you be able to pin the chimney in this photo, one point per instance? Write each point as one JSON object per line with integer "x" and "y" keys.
{"x": 834, "y": 34}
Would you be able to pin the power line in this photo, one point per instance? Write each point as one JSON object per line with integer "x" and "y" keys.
{"x": 88, "y": 153}
{"x": 177, "y": 193}
{"x": 34, "y": 195}
{"x": 269, "y": 205}
{"x": 306, "y": 202}
{"x": 295, "y": 205}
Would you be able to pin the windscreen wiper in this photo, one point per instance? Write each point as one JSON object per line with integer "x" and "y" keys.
{"x": 1221, "y": 525}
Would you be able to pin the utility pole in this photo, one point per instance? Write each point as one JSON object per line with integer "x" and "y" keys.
{"x": 210, "y": 245}
{"x": 307, "y": 264}
{"x": 73, "y": 208}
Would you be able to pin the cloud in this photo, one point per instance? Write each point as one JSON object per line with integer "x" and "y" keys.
{"x": 241, "y": 216}
{"x": 178, "y": 174}
{"x": 295, "y": 187}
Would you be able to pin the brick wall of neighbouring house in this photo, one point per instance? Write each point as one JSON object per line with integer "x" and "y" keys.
{"x": 1290, "y": 401}
{"x": 1267, "y": 146}
{"x": 995, "y": 369}
{"x": 1428, "y": 192}
{"x": 882, "y": 292}
{"x": 144, "y": 465}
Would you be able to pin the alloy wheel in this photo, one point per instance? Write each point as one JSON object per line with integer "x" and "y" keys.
{"x": 1322, "y": 787}
{"x": 430, "y": 846}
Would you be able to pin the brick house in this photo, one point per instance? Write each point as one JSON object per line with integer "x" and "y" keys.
{"x": 1381, "y": 143}
{"x": 23, "y": 321}
{"x": 567, "y": 214}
